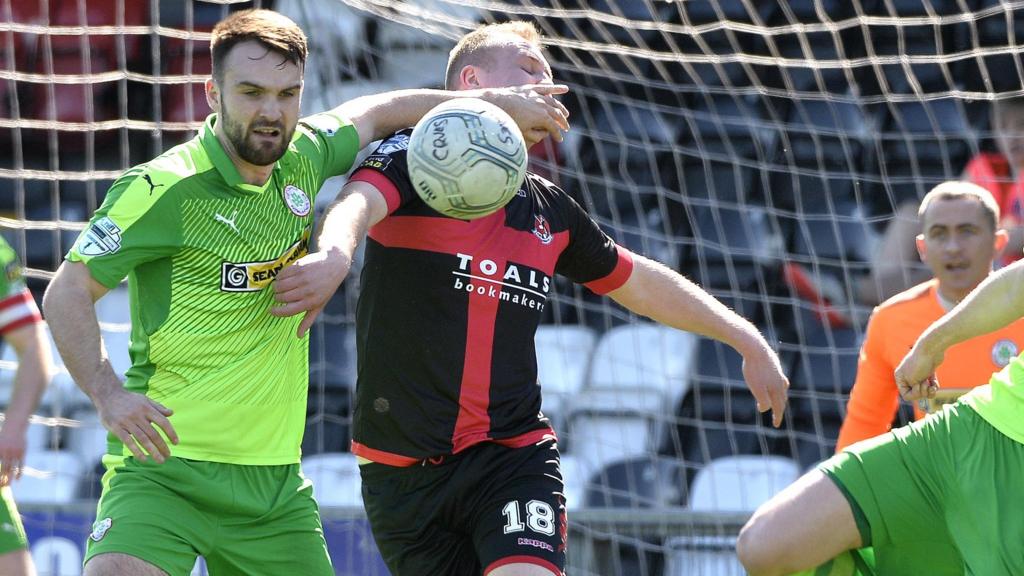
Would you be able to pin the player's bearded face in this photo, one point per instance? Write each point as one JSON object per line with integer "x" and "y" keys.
{"x": 259, "y": 141}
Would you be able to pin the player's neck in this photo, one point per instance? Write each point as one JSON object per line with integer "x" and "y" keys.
{"x": 947, "y": 301}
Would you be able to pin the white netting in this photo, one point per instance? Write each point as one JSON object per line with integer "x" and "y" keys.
{"x": 762, "y": 148}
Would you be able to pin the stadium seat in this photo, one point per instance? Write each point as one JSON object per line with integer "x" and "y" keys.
{"x": 734, "y": 245}
{"x": 88, "y": 440}
{"x": 644, "y": 355}
{"x": 335, "y": 478}
{"x": 563, "y": 357}
{"x": 641, "y": 482}
{"x": 576, "y": 473}
{"x": 53, "y": 478}
{"x": 741, "y": 483}
{"x": 711, "y": 555}
{"x": 185, "y": 102}
{"x": 606, "y": 425}
{"x": 56, "y": 556}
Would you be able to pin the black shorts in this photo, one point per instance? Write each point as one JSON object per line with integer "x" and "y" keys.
{"x": 471, "y": 513}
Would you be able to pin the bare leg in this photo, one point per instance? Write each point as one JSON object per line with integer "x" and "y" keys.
{"x": 17, "y": 563}
{"x": 120, "y": 564}
{"x": 522, "y": 569}
{"x": 802, "y": 527}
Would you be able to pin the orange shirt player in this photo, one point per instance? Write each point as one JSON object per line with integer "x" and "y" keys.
{"x": 959, "y": 241}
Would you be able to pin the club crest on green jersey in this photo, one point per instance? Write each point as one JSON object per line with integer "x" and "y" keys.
{"x": 1003, "y": 351}
{"x": 296, "y": 200}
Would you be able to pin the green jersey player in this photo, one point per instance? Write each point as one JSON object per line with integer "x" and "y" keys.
{"x": 940, "y": 496}
{"x": 205, "y": 432}
{"x": 21, "y": 327}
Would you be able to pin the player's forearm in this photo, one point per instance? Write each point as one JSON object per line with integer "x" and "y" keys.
{"x": 69, "y": 309}
{"x": 31, "y": 377}
{"x": 347, "y": 219}
{"x": 666, "y": 296}
{"x": 379, "y": 115}
{"x": 995, "y": 303}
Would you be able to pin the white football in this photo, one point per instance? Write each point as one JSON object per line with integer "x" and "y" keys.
{"x": 466, "y": 158}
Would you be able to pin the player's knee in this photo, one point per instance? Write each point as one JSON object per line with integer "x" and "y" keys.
{"x": 755, "y": 550}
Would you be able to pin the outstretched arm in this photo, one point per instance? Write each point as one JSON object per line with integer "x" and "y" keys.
{"x": 533, "y": 108}
{"x": 69, "y": 309}
{"x": 309, "y": 283}
{"x": 33, "y": 351}
{"x": 655, "y": 291}
{"x": 996, "y": 302}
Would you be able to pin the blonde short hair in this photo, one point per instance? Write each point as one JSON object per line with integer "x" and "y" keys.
{"x": 474, "y": 47}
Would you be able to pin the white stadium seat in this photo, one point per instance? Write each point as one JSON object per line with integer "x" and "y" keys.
{"x": 644, "y": 356}
{"x": 335, "y": 478}
{"x": 741, "y": 483}
{"x": 563, "y": 356}
{"x": 52, "y": 478}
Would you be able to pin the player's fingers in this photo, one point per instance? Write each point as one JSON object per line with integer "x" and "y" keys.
{"x": 129, "y": 441}
{"x": 550, "y": 88}
{"x": 778, "y": 399}
{"x": 151, "y": 442}
{"x": 560, "y": 112}
{"x": 307, "y": 321}
{"x": 290, "y": 308}
{"x": 160, "y": 419}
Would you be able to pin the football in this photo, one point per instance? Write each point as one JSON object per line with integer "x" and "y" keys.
{"x": 466, "y": 158}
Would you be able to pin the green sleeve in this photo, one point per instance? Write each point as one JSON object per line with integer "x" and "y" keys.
{"x": 329, "y": 142}
{"x": 10, "y": 272}
{"x": 135, "y": 224}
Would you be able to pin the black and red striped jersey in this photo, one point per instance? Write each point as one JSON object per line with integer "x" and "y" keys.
{"x": 448, "y": 310}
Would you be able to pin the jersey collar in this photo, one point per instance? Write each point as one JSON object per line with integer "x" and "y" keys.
{"x": 222, "y": 162}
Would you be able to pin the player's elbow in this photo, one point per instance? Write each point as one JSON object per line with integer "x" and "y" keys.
{"x": 755, "y": 551}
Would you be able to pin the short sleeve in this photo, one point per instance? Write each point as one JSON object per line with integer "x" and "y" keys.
{"x": 388, "y": 171}
{"x": 330, "y": 142}
{"x": 133, "y": 226}
{"x": 592, "y": 258}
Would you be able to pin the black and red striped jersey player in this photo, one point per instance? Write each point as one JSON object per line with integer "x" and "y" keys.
{"x": 460, "y": 469}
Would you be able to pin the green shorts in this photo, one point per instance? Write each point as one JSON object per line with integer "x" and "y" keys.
{"x": 251, "y": 520}
{"x": 940, "y": 496}
{"x": 12, "y": 532}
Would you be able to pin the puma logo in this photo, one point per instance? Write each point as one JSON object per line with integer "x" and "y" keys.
{"x": 149, "y": 181}
{"x": 230, "y": 222}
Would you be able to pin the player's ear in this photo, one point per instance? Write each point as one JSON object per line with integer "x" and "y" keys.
{"x": 1001, "y": 238}
{"x": 922, "y": 248}
{"x": 469, "y": 77}
{"x": 212, "y": 95}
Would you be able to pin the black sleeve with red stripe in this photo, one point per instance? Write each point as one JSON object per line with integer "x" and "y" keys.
{"x": 386, "y": 169}
{"x": 591, "y": 258}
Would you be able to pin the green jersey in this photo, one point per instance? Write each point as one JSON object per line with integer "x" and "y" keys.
{"x": 1001, "y": 402}
{"x": 200, "y": 249}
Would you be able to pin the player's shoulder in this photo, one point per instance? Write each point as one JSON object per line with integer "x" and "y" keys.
{"x": 390, "y": 152}
{"x": 145, "y": 185}
{"x": 913, "y": 297}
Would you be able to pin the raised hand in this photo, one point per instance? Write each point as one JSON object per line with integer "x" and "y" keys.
{"x": 534, "y": 109}
{"x": 915, "y": 375}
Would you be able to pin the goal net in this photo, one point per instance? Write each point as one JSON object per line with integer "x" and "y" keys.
{"x": 773, "y": 152}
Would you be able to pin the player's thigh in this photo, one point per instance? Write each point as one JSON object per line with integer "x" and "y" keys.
{"x": 898, "y": 486}
{"x": 408, "y": 515}
{"x": 805, "y": 525}
{"x": 982, "y": 512}
{"x": 271, "y": 526}
{"x": 520, "y": 515}
{"x": 519, "y": 570}
{"x": 113, "y": 564}
{"x": 145, "y": 512}
{"x": 12, "y": 532}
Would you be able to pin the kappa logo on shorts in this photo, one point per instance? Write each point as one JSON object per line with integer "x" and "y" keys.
{"x": 99, "y": 529}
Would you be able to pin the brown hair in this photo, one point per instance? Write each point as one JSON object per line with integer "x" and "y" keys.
{"x": 961, "y": 190}
{"x": 272, "y": 30}
{"x": 473, "y": 48}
